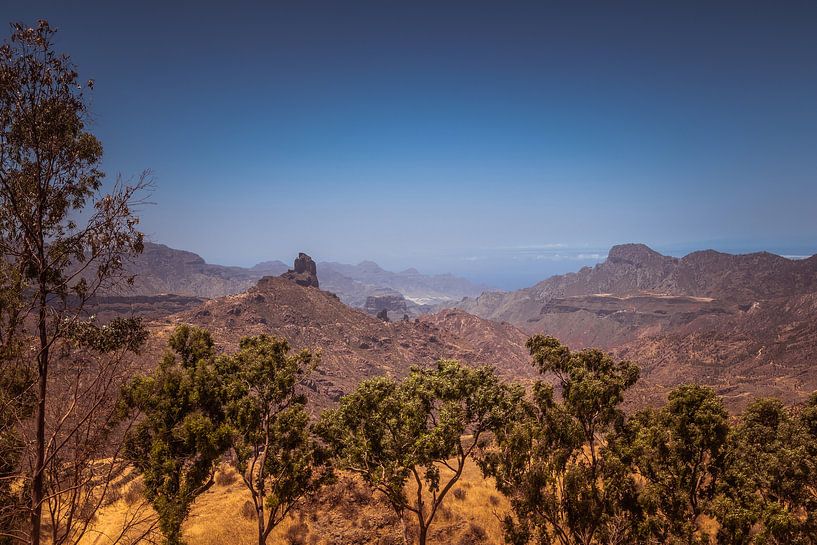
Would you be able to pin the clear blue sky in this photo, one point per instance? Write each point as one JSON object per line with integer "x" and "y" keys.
{"x": 464, "y": 136}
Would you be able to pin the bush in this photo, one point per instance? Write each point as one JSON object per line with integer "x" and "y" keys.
{"x": 296, "y": 534}
{"x": 225, "y": 477}
{"x": 248, "y": 510}
{"x": 476, "y": 534}
{"x": 459, "y": 493}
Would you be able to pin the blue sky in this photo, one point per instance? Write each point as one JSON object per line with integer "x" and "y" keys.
{"x": 456, "y": 136}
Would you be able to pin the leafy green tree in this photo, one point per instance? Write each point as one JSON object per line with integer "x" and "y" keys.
{"x": 564, "y": 485}
{"x": 421, "y": 430}
{"x": 678, "y": 452}
{"x": 273, "y": 449}
{"x": 61, "y": 238}
{"x": 768, "y": 493}
{"x": 183, "y": 431}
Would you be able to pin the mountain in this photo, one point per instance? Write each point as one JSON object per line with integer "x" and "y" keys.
{"x": 741, "y": 323}
{"x": 638, "y": 288}
{"x": 354, "y": 344}
{"x": 161, "y": 270}
{"x": 768, "y": 350}
{"x": 417, "y": 288}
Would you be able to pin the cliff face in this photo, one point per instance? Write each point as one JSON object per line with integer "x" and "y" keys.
{"x": 741, "y": 323}
{"x": 634, "y": 274}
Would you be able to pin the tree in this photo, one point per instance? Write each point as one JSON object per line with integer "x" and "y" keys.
{"x": 61, "y": 239}
{"x": 564, "y": 485}
{"x": 421, "y": 430}
{"x": 183, "y": 431}
{"x": 273, "y": 450}
{"x": 768, "y": 493}
{"x": 678, "y": 452}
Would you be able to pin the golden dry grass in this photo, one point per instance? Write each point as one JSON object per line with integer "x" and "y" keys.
{"x": 345, "y": 513}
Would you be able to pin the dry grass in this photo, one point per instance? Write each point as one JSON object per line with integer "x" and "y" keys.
{"x": 345, "y": 513}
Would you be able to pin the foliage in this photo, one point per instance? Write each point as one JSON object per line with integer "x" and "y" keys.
{"x": 769, "y": 491}
{"x": 273, "y": 449}
{"x": 421, "y": 430}
{"x": 563, "y": 484}
{"x": 183, "y": 431}
{"x": 678, "y": 452}
{"x": 61, "y": 240}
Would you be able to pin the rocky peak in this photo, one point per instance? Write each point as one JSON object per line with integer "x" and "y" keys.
{"x": 636, "y": 254}
{"x": 305, "y": 272}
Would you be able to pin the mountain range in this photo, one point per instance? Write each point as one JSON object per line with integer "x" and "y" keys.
{"x": 743, "y": 324}
{"x": 161, "y": 270}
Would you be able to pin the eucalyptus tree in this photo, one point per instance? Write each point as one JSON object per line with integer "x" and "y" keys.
{"x": 564, "y": 484}
{"x": 678, "y": 453}
{"x": 61, "y": 239}
{"x": 768, "y": 493}
{"x": 182, "y": 431}
{"x": 410, "y": 439}
{"x": 272, "y": 447}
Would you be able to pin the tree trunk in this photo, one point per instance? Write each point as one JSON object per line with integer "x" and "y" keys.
{"x": 259, "y": 510}
{"x": 39, "y": 463}
{"x": 421, "y": 538}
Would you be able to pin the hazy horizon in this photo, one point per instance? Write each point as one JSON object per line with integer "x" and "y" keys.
{"x": 448, "y": 136}
{"x": 518, "y": 267}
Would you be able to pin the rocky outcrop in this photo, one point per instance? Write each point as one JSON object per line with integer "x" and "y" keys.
{"x": 388, "y": 301}
{"x": 354, "y": 345}
{"x": 305, "y": 272}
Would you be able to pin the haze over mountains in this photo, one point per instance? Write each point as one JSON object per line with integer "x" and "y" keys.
{"x": 745, "y": 324}
{"x": 163, "y": 270}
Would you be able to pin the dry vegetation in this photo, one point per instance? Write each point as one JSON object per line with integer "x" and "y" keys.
{"x": 345, "y": 513}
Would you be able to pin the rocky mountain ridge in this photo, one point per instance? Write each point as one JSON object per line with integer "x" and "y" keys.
{"x": 161, "y": 270}
{"x": 354, "y": 345}
{"x": 744, "y": 324}
{"x": 635, "y": 277}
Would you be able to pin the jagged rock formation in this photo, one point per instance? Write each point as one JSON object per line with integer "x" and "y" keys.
{"x": 305, "y": 272}
{"x": 354, "y": 344}
{"x": 161, "y": 270}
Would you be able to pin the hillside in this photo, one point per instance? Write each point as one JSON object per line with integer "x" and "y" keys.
{"x": 355, "y": 345}
{"x": 741, "y": 323}
{"x": 635, "y": 269}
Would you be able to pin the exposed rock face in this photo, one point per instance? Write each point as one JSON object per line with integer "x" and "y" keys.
{"x": 305, "y": 272}
{"x": 162, "y": 270}
{"x": 743, "y": 324}
{"x": 388, "y": 304}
